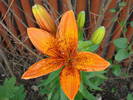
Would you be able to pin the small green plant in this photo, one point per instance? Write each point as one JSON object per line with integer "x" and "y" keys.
{"x": 129, "y": 97}
{"x": 122, "y": 4}
{"x": 10, "y": 91}
{"x": 90, "y": 82}
{"x": 116, "y": 69}
{"x": 123, "y": 49}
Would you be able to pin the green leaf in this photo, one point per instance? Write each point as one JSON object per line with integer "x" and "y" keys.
{"x": 121, "y": 55}
{"x": 116, "y": 70}
{"x": 131, "y": 23}
{"x": 121, "y": 43}
{"x": 131, "y": 53}
{"x": 9, "y": 90}
{"x": 84, "y": 44}
{"x": 56, "y": 95}
{"x": 112, "y": 10}
{"x": 53, "y": 91}
{"x": 92, "y": 48}
{"x": 87, "y": 82}
{"x": 125, "y": 30}
{"x": 114, "y": 19}
{"x": 99, "y": 74}
{"x": 123, "y": 23}
{"x": 80, "y": 34}
{"x": 46, "y": 89}
{"x": 97, "y": 78}
{"x": 113, "y": 90}
{"x": 50, "y": 95}
{"x": 122, "y": 4}
{"x": 86, "y": 94}
{"x": 129, "y": 97}
{"x": 62, "y": 95}
{"x": 93, "y": 86}
{"x": 78, "y": 96}
{"x": 19, "y": 94}
{"x": 87, "y": 46}
{"x": 50, "y": 78}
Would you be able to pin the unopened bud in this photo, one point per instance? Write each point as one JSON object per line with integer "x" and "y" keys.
{"x": 81, "y": 19}
{"x": 98, "y": 35}
{"x": 43, "y": 18}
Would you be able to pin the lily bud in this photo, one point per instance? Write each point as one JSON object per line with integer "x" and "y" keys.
{"x": 98, "y": 35}
{"x": 81, "y": 19}
{"x": 43, "y": 18}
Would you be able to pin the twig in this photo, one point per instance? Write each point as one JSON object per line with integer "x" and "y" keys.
{"x": 6, "y": 62}
{"x": 20, "y": 41}
{"x": 7, "y": 10}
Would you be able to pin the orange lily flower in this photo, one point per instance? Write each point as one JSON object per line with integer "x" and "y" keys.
{"x": 62, "y": 51}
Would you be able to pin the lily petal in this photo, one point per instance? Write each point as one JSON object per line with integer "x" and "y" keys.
{"x": 43, "y": 41}
{"x": 70, "y": 81}
{"x": 42, "y": 67}
{"x": 87, "y": 61}
{"x": 67, "y": 33}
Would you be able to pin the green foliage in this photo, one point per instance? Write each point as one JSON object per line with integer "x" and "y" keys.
{"x": 51, "y": 87}
{"x": 93, "y": 79}
{"x": 121, "y": 43}
{"x": 123, "y": 49}
{"x": 87, "y": 46}
{"x": 50, "y": 78}
{"x": 129, "y": 97}
{"x": 116, "y": 70}
{"x": 9, "y": 90}
{"x": 80, "y": 34}
{"x": 122, "y": 4}
{"x": 47, "y": 86}
{"x": 123, "y": 23}
{"x": 112, "y": 10}
{"x": 113, "y": 90}
{"x": 90, "y": 81}
{"x": 121, "y": 55}
{"x": 79, "y": 96}
{"x": 85, "y": 93}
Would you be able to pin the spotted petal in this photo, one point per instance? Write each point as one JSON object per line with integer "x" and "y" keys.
{"x": 87, "y": 61}
{"x": 70, "y": 81}
{"x": 42, "y": 67}
{"x": 67, "y": 33}
{"x": 43, "y": 41}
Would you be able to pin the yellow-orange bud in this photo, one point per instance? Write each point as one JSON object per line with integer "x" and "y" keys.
{"x": 98, "y": 35}
{"x": 43, "y": 18}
